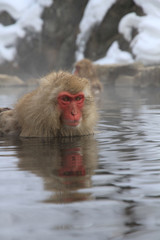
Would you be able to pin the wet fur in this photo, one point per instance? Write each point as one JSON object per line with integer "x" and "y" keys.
{"x": 87, "y": 69}
{"x": 37, "y": 114}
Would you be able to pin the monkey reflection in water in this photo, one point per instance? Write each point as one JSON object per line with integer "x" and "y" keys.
{"x": 66, "y": 165}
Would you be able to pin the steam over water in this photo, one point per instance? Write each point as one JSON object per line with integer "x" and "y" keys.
{"x": 101, "y": 187}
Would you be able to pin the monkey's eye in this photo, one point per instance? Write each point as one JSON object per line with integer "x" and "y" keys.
{"x": 79, "y": 98}
{"x": 66, "y": 99}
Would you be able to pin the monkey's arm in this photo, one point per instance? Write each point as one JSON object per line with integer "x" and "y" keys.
{"x": 4, "y": 109}
{"x": 8, "y": 122}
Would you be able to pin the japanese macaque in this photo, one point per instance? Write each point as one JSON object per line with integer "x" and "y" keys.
{"x": 61, "y": 106}
{"x": 85, "y": 68}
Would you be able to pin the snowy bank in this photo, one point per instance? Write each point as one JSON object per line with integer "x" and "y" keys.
{"x": 27, "y": 15}
{"x": 115, "y": 55}
{"x": 145, "y": 46}
{"x": 93, "y": 15}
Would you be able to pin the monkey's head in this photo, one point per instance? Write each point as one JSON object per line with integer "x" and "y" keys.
{"x": 85, "y": 68}
{"x": 62, "y": 106}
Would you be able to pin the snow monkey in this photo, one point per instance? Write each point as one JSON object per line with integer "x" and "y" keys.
{"x": 85, "y": 68}
{"x": 61, "y": 106}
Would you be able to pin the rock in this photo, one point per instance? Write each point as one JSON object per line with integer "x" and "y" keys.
{"x": 109, "y": 74}
{"x": 125, "y": 81}
{"x": 54, "y": 48}
{"x": 106, "y": 33}
{"x": 10, "y": 81}
{"x": 51, "y": 49}
{"x": 129, "y": 75}
{"x": 148, "y": 76}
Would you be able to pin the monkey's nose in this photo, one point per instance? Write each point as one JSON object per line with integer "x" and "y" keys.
{"x": 74, "y": 111}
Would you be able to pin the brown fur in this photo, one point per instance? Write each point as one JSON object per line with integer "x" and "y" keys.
{"x": 38, "y": 115}
{"x": 8, "y": 123}
{"x": 87, "y": 69}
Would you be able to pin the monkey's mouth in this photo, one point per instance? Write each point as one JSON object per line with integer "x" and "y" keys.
{"x": 72, "y": 123}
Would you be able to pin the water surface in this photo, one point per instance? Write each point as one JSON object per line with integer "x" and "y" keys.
{"x": 104, "y": 187}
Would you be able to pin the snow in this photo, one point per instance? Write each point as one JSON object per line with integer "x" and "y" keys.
{"x": 93, "y": 15}
{"x": 149, "y": 7}
{"x": 27, "y": 15}
{"x": 14, "y": 8}
{"x": 115, "y": 55}
{"x": 126, "y": 24}
{"x": 145, "y": 46}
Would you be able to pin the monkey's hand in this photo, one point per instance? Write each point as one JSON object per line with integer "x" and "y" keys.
{"x": 8, "y": 123}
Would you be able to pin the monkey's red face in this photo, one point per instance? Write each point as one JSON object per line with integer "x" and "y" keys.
{"x": 71, "y": 107}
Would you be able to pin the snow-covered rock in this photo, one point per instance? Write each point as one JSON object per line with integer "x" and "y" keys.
{"x": 27, "y": 15}
{"x": 115, "y": 55}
